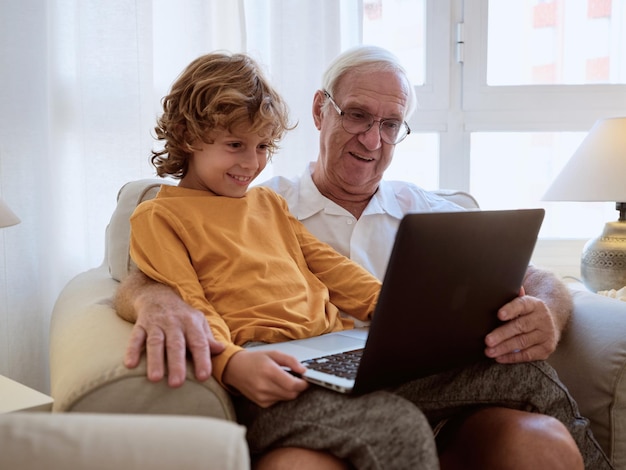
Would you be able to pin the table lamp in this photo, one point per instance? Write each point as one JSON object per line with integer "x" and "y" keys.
{"x": 7, "y": 217}
{"x": 597, "y": 172}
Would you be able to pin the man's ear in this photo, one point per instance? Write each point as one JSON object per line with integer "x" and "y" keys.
{"x": 318, "y": 103}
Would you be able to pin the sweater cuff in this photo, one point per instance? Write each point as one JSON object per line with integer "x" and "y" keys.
{"x": 220, "y": 361}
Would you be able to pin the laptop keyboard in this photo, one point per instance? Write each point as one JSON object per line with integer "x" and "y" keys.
{"x": 344, "y": 364}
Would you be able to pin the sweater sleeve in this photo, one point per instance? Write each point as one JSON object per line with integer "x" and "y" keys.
{"x": 158, "y": 250}
{"x": 352, "y": 288}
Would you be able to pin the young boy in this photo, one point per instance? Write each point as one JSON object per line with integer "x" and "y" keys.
{"x": 234, "y": 253}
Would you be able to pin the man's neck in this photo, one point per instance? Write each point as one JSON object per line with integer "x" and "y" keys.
{"x": 353, "y": 203}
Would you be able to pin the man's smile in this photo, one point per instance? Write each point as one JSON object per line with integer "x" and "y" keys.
{"x": 361, "y": 157}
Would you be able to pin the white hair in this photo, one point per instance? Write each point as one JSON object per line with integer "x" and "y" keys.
{"x": 368, "y": 59}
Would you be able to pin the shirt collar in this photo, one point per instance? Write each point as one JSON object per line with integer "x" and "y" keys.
{"x": 311, "y": 200}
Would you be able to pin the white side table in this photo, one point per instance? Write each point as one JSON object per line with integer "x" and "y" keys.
{"x": 17, "y": 397}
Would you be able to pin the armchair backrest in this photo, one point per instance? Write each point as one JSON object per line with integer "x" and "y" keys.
{"x": 117, "y": 239}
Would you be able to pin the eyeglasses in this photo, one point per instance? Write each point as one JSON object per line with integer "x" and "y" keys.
{"x": 357, "y": 121}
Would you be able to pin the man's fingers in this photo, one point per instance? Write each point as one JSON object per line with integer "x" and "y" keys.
{"x": 176, "y": 350}
{"x": 518, "y": 307}
{"x": 517, "y": 356}
{"x": 506, "y": 332}
{"x": 199, "y": 345}
{"x": 216, "y": 347}
{"x": 136, "y": 345}
{"x": 531, "y": 346}
{"x": 155, "y": 354}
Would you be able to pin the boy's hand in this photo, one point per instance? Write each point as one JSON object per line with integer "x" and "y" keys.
{"x": 259, "y": 376}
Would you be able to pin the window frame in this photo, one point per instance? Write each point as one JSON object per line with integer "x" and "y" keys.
{"x": 533, "y": 107}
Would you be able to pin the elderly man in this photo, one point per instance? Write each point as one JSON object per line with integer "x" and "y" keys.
{"x": 360, "y": 113}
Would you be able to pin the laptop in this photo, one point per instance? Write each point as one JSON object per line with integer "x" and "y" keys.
{"x": 447, "y": 276}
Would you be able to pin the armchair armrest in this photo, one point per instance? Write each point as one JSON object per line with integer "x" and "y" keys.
{"x": 87, "y": 345}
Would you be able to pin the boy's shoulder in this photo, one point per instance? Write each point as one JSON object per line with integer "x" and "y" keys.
{"x": 268, "y": 197}
{"x": 264, "y": 192}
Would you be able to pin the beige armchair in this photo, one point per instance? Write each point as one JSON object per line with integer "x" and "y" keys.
{"x": 88, "y": 340}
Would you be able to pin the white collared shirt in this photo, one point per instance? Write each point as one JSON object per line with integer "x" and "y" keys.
{"x": 368, "y": 240}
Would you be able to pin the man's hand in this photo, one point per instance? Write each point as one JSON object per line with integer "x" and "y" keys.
{"x": 260, "y": 377}
{"x": 166, "y": 336}
{"x": 165, "y": 327}
{"x": 529, "y": 334}
{"x": 535, "y": 320}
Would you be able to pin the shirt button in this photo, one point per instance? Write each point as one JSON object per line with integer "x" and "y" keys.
{"x": 350, "y": 221}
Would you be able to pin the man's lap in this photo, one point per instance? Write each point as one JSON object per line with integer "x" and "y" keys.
{"x": 350, "y": 426}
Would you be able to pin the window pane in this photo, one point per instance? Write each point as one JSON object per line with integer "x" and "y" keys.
{"x": 514, "y": 170}
{"x": 400, "y": 26}
{"x": 416, "y": 159}
{"x": 539, "y": 42}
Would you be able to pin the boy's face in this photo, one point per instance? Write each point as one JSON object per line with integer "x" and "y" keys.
{"x": 228, "y": 165}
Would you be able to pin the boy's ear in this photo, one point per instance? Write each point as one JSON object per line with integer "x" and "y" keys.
{"x": 318, "y": 103}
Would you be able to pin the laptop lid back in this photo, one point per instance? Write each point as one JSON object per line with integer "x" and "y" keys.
{"x": 448, "y": 275}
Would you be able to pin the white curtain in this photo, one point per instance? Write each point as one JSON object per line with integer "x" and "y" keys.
{"x": 80, "y": 87}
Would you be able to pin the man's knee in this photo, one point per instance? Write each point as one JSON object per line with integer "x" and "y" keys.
{"x": 289, "y": 458}
{"x": 502, "y": 438}
{"x": 550, "y": 440}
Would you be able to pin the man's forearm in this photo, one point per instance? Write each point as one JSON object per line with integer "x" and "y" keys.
{"x": 553, "y": 292}
{"x": 136, "y": 289}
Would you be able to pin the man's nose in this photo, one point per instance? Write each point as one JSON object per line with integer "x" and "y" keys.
{"x": 371, "y": 138}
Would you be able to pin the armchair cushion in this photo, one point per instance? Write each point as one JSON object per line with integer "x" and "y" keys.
{"x": 591, "y": 361}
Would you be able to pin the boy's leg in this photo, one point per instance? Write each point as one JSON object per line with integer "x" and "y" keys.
{"x": 532, "y": 387}
{"x": 374, "y": 431}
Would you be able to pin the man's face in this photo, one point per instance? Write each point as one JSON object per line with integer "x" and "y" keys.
{"x": 351, "y": 165}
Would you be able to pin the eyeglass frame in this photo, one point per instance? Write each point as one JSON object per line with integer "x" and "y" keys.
{"x": 380, "y": 122}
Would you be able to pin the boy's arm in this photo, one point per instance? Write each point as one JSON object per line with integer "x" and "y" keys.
{"x": 352, "y": 288}
{"x": 162, "y": 318}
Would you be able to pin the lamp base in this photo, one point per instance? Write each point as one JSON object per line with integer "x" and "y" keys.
{"x": 603, "y": 261}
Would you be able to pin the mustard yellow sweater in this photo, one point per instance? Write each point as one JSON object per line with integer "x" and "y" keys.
{"x": 254, "y": 270}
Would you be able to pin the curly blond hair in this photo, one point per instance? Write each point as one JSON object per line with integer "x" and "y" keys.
{"x": 216, "y": 91}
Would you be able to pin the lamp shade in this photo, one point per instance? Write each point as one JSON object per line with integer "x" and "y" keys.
{"x": 7, "y": 217}
{"x": 597, "y": 170}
